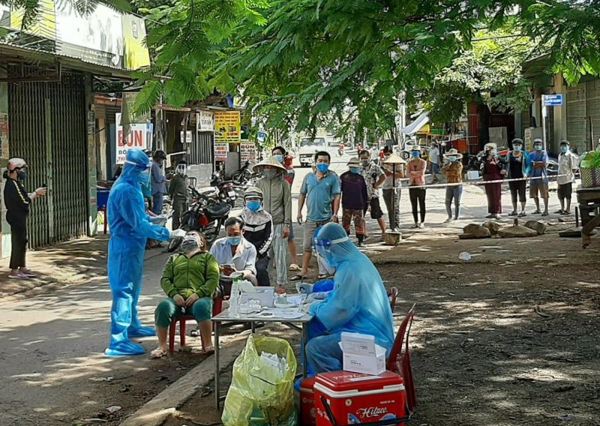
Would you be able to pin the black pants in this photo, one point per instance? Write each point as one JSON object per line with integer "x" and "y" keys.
{"x": 262, "y": 271}
{"x": 18, "y": 239}
{"x": 417, "y": 195}
{"x": 179, "y": 208}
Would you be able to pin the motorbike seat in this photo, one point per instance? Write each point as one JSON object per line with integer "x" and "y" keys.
{"x": 220, "y": 209}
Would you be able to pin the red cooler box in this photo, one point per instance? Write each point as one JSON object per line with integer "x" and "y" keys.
{"x": 308, "y": 413}
{"x": 356, "y": 398}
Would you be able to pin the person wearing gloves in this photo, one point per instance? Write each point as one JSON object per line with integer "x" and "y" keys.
{"x": 416, "y": 178}
{"x": 567, "y": 163}
{"x": 453, "y": 171}
{"x": 493, "y": 171}
{"x": 357, "y": 304}
{"x": 17, "y": 202}
{"x": 130, "y": 226}
{"x": 189, "y": 280}
{"x": 258, "y": 230}
{"x": 234, "y": 253}
{"x": 178, "y": 193}
{"x": 538, "y": 187}
{"x": 277, "y": 200}
{"x": 355, "y": 199}
{"x": 518, "y": 168}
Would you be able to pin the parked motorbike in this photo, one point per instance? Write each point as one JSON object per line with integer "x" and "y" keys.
{"x": 243, "y": 175}
{"x": 225, "y": 189}
{"x": 205, "y": 214}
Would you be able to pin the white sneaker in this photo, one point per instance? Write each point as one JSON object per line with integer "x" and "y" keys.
{"x": 448, "y": 220}
{"x": 421, "y": 225}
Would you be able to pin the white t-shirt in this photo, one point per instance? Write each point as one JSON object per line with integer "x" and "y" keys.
{"x": 434, "y": 155}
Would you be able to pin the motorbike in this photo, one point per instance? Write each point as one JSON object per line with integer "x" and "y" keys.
{"x": 225, "y": 189}
{"x": 243, "y": 175}
{"x": 205, "y": 214}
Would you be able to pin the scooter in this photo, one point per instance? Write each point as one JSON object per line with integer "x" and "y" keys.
{"x": 205, "y": 214}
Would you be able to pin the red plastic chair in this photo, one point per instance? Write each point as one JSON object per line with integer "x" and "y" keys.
{"x": 393, "y": 362}
{"x": 216, "y": 310}
{"x": 407, "y": 375}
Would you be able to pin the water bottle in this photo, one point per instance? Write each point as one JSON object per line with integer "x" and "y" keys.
{"x": 234, "y": 299}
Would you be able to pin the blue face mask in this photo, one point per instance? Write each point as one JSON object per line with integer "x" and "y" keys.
{"x": 279, "y": 158}
{"x": 323, "y": 167}
{"x": 415, "y": 154}
{"x": 355, "y": 170}
{"x": 517, "y": 148}
{"x": 564, "y": 149}
{"x": 537, "y": 147}
{"x": 254, "y": 205}
{"x": 234, "y": 241}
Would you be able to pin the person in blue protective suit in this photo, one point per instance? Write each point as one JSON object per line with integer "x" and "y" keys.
{"x": 358, "y": 302}
{"x": 130, "y": 226}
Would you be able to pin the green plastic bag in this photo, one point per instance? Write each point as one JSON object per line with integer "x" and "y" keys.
{"x": 262, "y": 389}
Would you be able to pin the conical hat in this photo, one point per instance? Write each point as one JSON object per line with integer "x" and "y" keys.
{"x": 394, "y": 159}
{"x": 270, "y": 161}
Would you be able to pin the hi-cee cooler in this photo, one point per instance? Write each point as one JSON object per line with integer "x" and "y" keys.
{"x": 345, "y": 398}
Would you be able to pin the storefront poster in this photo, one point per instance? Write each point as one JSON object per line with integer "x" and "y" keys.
{"x": 136, "y": 54}
{"x": 248, "y": 152}
{"x": 205, "y": 121}
{"x": 221, "y": 150}
{"x": 140, "y": 137}
{"x": 227, "y": 126}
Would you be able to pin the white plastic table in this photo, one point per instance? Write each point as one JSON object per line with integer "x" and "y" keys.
{"x": 299, "y": 323}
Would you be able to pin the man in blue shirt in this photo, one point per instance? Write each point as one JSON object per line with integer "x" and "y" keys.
{"x": 321, "y": 192}
{"x": 538, "y": 187}
{"x": 159, "y": 182}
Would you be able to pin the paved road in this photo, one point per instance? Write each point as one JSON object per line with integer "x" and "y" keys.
{"x": 51, "y": 344}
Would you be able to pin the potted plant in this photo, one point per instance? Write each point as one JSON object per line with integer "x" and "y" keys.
{"x": 590, "y": 169}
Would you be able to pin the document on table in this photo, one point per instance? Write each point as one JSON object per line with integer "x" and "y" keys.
{"x": 280, "y": 313}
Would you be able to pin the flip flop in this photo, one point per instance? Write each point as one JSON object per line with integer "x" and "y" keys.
{"x": 295, "y": 268}
{"x": 298, "y": 278}
{"x": 208, "y": 351}
{"x": 158, "y": 353}
{"x": 322, "y": 276}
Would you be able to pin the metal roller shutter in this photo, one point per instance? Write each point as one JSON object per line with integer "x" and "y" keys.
{"x": 576, "y": 116}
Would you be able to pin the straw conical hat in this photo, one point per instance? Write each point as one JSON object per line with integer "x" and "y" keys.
{"x": 394, "y": 159}
{"x": 453, "y": 152}
{"x": 270, "y": 161}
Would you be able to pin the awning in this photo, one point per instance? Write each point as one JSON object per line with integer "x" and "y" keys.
{"x": 416, "y": 125}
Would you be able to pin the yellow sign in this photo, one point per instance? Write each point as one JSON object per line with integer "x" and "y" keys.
{"x": 227, "y": 126}
{"x": 45, "y": 21}
{"x": 134, "y": 34}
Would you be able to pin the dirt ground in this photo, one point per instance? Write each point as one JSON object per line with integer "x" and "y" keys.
{"x": 508, "y": 338}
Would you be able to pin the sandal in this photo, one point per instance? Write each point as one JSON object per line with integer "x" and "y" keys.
{"x": 322, "y": 276}
{"x": 298, "y": 277}
{"x": 209, "y": 351}
{"x": 158, "y": 353}
{"x": 295, "y": 268}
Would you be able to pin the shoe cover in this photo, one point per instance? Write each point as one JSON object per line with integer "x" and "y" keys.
{"x": 141, "y": 331}
{"x": 124, "y": 349}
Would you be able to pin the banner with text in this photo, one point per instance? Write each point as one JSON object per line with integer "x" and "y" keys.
{"x": 227, "y": 126}
{"x": 139, "y": 137}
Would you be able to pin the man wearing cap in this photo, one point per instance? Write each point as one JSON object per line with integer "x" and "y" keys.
{"x": 355, "y": 199}
{"x": 277, "y": 200}
{"x": 453, "y": 171}
{"x": 518, "y": 168}
{"x": 374, "y": 177}
{"x": 538, "y": 186}
{"x": 258, "y": 230}
{"x": 567, "y": 163}
{"x": 17, "y": 202}
{"x": 130, "y": 226}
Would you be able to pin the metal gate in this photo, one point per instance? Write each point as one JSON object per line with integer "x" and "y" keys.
{"x": 201, "y": 150}
{"x": 48, "y": 130}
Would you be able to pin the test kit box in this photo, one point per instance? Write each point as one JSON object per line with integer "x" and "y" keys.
{"x": 362, "y": 354}
{"x": 354, "y": 398}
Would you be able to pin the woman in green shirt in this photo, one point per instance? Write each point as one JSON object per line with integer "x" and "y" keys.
{"x": 189, "y": 279}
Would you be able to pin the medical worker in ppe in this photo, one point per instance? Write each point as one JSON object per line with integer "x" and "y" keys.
{"x": 358, "y": 302}
{"x": 130, "y": 226}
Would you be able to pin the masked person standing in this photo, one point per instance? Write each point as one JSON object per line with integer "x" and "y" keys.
{"x": 538, "y": 187}
{"x": 493, "y": 171}
{"x": 277, "y": 200}
{"x": 567, "y": 163}
{"x": 518, "y": 168}
{"x": 355, "y": 199}
{"x": 258, "y": 230}
{"x": 416, "y": 178}
{"x": 159, "y": 181}
{"x": 374, "y": 177}
{"x": 321, "y": 192}
{"x": 357, "y": 304}
{"x": 392, "y": 187}
{"x": 453, "y": 171}
{"x": 130, "y": 226}
{"x": 178, "y": 193}
{"x": 17, "y": 202}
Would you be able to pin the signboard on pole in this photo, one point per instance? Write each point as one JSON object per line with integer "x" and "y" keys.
{"x": 227, "y": 126}
{"x": 139, "y": 137}
{"x": 205, "y": 121}
{"x": 221, "y": 150}
{"x": 248, "y": 152}
{"x": 553, "y": 100}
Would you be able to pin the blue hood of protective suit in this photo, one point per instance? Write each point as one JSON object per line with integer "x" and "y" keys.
{"x": 359, "y": 301}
